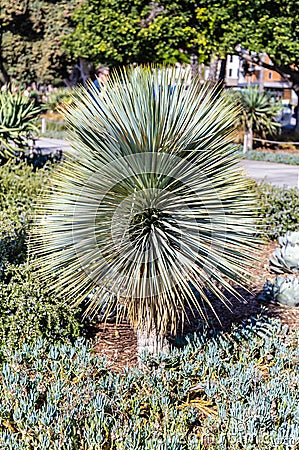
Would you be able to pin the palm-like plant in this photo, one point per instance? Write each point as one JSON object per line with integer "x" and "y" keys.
{"x": 17, "y": 122}
{"x": 257, "y": 113}
{"x": 152, "y": 210}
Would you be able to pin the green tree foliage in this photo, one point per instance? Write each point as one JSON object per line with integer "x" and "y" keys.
{"x": 138, "y": 30}
{"x": 32, "y": 32}
{"x": 122, "y": 32}
{"x": 259, "y": 26}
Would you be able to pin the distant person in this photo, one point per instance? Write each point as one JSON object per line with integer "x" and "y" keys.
{"x": 102, "y": 74}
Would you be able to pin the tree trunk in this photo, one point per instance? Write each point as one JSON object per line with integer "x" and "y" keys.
{"x": 3, "y": 73}
{"x": 213, "y": 69}
{"x": 248, "y": 140}
{"x": 297, "y": 110}
{"x": 261, "y": 77}
{"x": 152, "y": 343}
{"x": 194, "y": 65}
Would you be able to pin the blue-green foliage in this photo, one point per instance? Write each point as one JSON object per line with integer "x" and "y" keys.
{"x": 284, "y": 290}
{"x": 277, "y": 157}
{"x": 63, "y": 397}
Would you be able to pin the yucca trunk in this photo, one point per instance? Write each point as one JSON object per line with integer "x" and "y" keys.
{"x": 248, "y": 138}
{"x": 151, "y": 342}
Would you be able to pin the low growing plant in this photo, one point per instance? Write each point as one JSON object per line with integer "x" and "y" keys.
{"x": 286, "y": 257}
{"x": 278, "y": 210}
{"x": 284, "y": 290}
{"x": 28, "y": 312}
{"x": 237, "y": 391}
{"x": 277, "y": 157}
{"x": 20, "y": 187}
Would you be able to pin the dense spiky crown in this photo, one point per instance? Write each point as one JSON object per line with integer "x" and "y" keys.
{"x": 152, "y": 208}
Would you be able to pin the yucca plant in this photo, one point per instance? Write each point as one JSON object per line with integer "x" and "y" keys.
{"x": 257, "y": 113}
{"x": 17, "y": 123}
{"x": 152, "y": 210}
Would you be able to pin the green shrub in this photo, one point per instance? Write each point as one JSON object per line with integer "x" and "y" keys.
{"x": 233, "y": 392}
{"x": 277, "y": 157}
{"x": 19, "y": 190}
{"x": 20, "y": 186}
{"x": 58, "y": 98}
{"x": 27, "y": 311}
{"x": 279, "y": 211}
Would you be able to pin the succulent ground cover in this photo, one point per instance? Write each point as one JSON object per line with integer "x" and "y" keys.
{"x": 225, "y": 391}
{"x": 118, "y": 342}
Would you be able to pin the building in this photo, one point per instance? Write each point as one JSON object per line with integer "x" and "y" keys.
{"x": 269, "y": 80}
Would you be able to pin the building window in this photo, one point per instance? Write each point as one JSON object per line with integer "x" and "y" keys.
{"x": 270, "y": 75}
{"x": 230, "y": 72}
{"x": 231, "y": 58}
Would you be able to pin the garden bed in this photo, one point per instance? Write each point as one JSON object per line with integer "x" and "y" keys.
{"x": 118, "y": 342}
{"x": 57, "y": 393}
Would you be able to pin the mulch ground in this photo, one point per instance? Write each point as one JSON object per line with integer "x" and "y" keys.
{"x": 118, "y": 342}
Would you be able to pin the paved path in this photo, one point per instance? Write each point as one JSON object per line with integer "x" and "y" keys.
{"x": 48, "y": 145}
{"x": 277, "y": 174}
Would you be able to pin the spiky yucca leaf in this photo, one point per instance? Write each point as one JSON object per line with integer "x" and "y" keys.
{"x": 257, "y": 111}
{"x": 153, "y": 208}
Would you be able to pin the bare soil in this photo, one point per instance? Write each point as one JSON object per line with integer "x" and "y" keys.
{"x": 118, "y": 342}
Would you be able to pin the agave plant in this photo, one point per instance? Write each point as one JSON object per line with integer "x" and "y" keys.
{"x": 152, "y": 211}
{"x": 17, "y": 122}
{"x": 286, "y": 258}
{"x": 282, "y": 290}
{"x": 257, "y": 113}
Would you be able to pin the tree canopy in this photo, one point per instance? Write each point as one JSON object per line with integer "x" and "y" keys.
{"x": 41, "y": 37}
{"x": 257, "y": 27}
{"x": 123, "y": 32}
{"x": 31, "y": 36}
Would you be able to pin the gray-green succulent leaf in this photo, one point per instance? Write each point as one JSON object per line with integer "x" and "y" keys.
{"x": 284, "y": 290}
{"x": 286, "y": 258}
